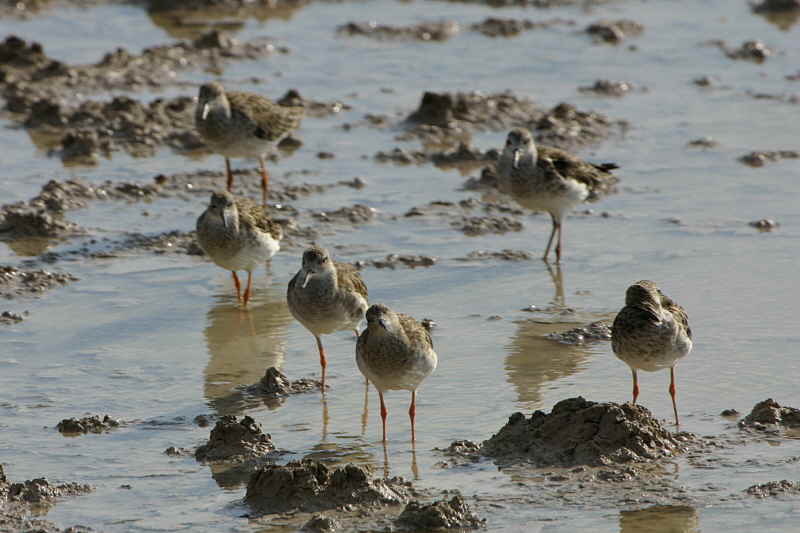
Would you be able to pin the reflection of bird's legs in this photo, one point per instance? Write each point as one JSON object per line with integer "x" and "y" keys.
{"x": 385, "y": 461}
{"x": 365, "y": 412}
{"x": 412, "y": 414}
{"x": 550, "y": 240}
{"x": 264, "y": 180}
{"x": 558, "y": 281}
{"x": 672, "y": 393}
{"x": 229, "y": 174}
{"x": 414, "y": 467}
{"x": 323, "y": 362}
{"x": 325, "y": 419}
{"x": 237, "y": 285}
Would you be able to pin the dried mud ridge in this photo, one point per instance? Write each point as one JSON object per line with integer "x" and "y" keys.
{"x": 15, "y": 282}
{"x": 775, "y": 6}
{"x": 763, "y": 224}
{"x": 582, "y": 432}
{"x": 500, "y": 27}
{"x": 27, "y": 74}
{"x": 88, "y": 424}
{"x": 426, "y": 31}
{"x": 775, "y": 489}
{"x": 450, "y": 118}
{"x": 9, "y": 317}
{"x": 608, "y": 88}
{"x": 439, "y": 515}
{"x": 596, "y": 331}
{"x": 18, "y": 500}
{"x": 275, "y": 385}
{"x": 235, "y": 441}
{"x": 503, "y": 255}
{"x": 464, "y": 155}
{"x": 311, "y": 486}
{"x": 755, "y": 51}
{"x": 394, "y": 261}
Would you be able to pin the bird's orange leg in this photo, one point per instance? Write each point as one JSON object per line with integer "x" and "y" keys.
{"x": 229, "y": 174}
{"x": 412, "y": 414}
{"x": 323, "y": 362}
{"x": 635, "y": 385}
{"x": 384, "y": 414}
{"x": 249, "y": 288}
{"x": 672, "y": 393}
{"x": 264, "y": 181}
{"x": 237, "y": 285}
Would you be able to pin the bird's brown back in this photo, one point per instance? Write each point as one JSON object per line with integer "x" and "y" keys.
{"x": 273, "y": 121}
{"x": 255, "y": 216}
{"x": 349, "y": 278}
{"x": 417, "y": 333}
{"x": 597, "y": 178}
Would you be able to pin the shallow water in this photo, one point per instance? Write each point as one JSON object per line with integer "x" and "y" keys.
{"x": 159, "y": 340}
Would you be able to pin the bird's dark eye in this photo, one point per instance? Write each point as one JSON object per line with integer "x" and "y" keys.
{"x": 324, "y": 259}
{"x": 508, "y": 142}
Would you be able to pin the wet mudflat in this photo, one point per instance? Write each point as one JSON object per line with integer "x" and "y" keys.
{"x": 111, "y": 310}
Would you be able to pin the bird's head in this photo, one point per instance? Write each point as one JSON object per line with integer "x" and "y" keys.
{"x": 223, "y": 205}
{"x": 381, "y": 318}
{"x": 519, "y": 146}
{"x": 643, "y": 293}
{"x": 211, "y": 94}
{"x": 316, "y": 261}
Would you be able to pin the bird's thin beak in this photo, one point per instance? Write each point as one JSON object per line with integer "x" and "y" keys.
{"x": 227, "y": 219}
{"x": 515, "y": 162}
{"x": 206, "y": 109}
{"x": 382, "y": 323}
{"x": 305, "y": 279}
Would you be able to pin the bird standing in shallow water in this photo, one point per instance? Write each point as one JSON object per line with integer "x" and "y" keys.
{"x": 395, "y": 352}
{"x": 651, "y": 333}
{"x": 547, "y": 179}
{"x": 326, "y": 296}
{"x": 242, "y": 124}
{"x": 237, "y": 235}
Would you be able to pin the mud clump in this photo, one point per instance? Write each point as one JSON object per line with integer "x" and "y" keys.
{"x": 311, "y": 486}
{"x": 442, "y": 514}
{"x": 705, "y": 143}
{"x": 596, "y": 331}
{"x": 450, "y": 118}
{"x": 87, "y": 424}
{"x": 608, "y": 88}
{"x": 473, "y": 226}
{"x": 235, "y": 441}
{"x": 41, "y": 491}
{"x": 396, "y": 260}
{"x": 755, "y": 51}
{"x": 764, "y": 224}
{"x": 9, "y": 317}
{"x": 275, "y": 385}
{"x": 15, "y": 282}
{"x": 581, "y": 432}
{"x": 313, "y": 108}
{"x": 21, "y": 220}
{"x": 768, "y": 414}
{"x": 775, "y": 6}
{"x": 773, "y": 489}
{"x": 175, "y": 241}
{"x": 426, "y": 31}
{"x": 758, "y": 159}
{"x": 614, "y": 32}
{"x": 320, "y": 524}
{"x": 402, "y": 157}
{"x": 497, "y": 27}
{"x": 356, "y": 214}
{"x": 503, "y": 255}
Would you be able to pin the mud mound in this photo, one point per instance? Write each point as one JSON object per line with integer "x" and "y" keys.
{"x": 497, "y": 27}
{"x": 394, "y": 261}
{"x": 276, "y": 385}
{"x": 9, "y": 317}
{"x": 768, "y": 414}
{"x": 425, "y": 31}
{"x": 321, "y": 523}
{"x": 503, "y": 255}
{"x": 581, "y": 432}
{"x": 760, "y": 158}
{"x": 614, "y": 32}
{"x": 473, "y": 226}
{"x": 442, "y": 514}
{"x": 87, "y": 424}
{"x": 596, "y": 331}
{"x": 774, "y": 489}
{"x": 355, "y": 214}
{"x": 236, "y": 441}
{"x": 311, "y": 486}
{"x": 21, "y": 220}
{"x": 313, "y": 108}
{"x": 15, "y": 282}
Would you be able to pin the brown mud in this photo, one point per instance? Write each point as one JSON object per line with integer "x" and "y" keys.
{"x": 764, "y": 224}
{"x": 507, "y": 27}
{"x": 9, "y": 317}
{"x": 235, "y": 441}
{"x": 758, "y": 159}
{"x": 275, "y": 387}
{"x": 769, "y": 415}
{"x": 755, "y": 51}
{"x": 87, "y": 424}
{"x": 311, "y": 486}
{"x": 425, "y": 31}
{"x": 614, "y": 32}
{"x": 438, "y": 515}
{"x": 775, "y": 489}
{"x": 394, "y": 261}
{"x": 502, "y": 255}
{"x": 596, "y": 331}
{"x": 616, "y": 89}
{"x": 581, "y": 432}
{"x": 15, "y": 282}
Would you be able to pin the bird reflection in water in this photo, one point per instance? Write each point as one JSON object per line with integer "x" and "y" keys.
{"x": 241, "y": 346}
{"x": 661, "y": 518}
{"x": 534, "y": 360}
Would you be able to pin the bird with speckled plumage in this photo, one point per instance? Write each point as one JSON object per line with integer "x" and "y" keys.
{"x": 237, "y": 235}
{"x": 326, "y": 296}
{"x": 548, "y": 179}
{"x": 395, "y": 352}
{"x": 242, "y": 124}
{"x": 651, "y": 333}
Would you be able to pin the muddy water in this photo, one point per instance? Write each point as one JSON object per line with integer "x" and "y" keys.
{"x": 157, "y": 340}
